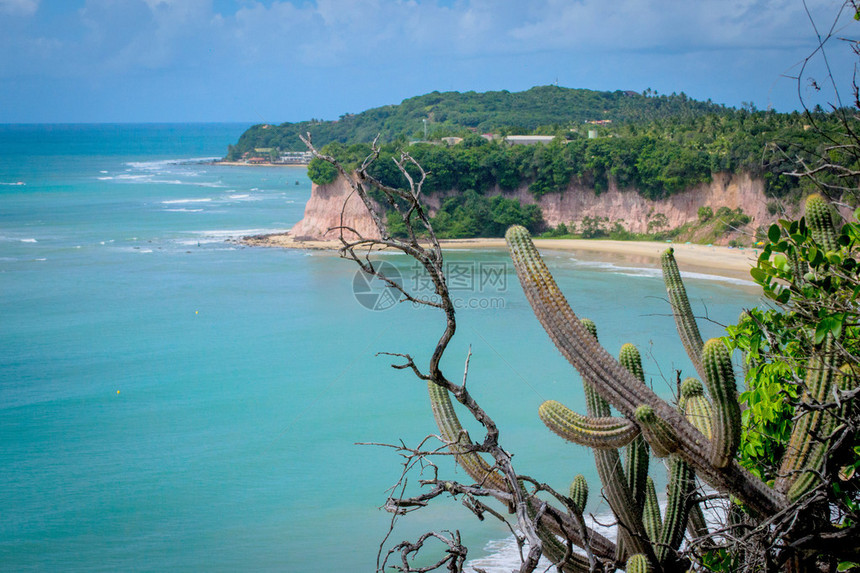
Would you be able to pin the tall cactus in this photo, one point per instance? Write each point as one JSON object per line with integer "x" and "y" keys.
{"x": 616, "y": 487}
{"x": 804, "y": 456}
{"x": 636, "y": 453}
{"x": 622, "y": 389}
{"x": 688, "y": 440}
{"x": 698, "y": 436}
{"x": 726, "y": 417}
{"x": 651, "y": 512}
{"x": 479, "y": 470}
{"x": 819, "y": 217}
{"x": 688, "y": 329}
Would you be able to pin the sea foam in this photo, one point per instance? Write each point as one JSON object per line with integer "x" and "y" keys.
{"x": 180, "y": 201}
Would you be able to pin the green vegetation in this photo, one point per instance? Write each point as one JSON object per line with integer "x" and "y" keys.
{"x": 549, "y": 110}
{"x": 798, "y": 436}
{"x": 321, "y": 172}
{"x": 473, "y": 215}
{"x": 659, "y": 145}
{"x": 783, "y": 470}
{"x": 808, "y": 269}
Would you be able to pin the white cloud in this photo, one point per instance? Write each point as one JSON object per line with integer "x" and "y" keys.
{"x": 675, "y": 26}
{"x": 371, "y": 46}
{"x": 19, "y": 7}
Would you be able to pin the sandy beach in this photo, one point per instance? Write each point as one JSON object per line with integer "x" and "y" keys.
{"x": 714, "y": 260}
{"x": 246, "y": 164}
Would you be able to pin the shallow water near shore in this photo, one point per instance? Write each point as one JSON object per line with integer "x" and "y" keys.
{"x": 170, "y": 400}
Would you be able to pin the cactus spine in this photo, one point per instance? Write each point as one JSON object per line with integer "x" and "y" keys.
{"x": 618, "y": 386}
{"x": 579, "y": 493}
{"x": 819, "y": 217}
{"x": 726, "y": 418}
{"x": 661, "y": 436}
{"x": 651, "y": 511}
{"x": 639, "y": 564}
{"x": 600, "y": 433}
{"x": 680, "y": 488}
{"x": 688, "y": 329}
{"x": 804, "y": 456}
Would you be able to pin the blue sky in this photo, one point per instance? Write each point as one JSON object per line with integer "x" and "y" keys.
{"x": 273, "y": 61}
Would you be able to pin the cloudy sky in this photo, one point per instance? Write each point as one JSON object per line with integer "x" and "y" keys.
{"x": 279, "y": 60}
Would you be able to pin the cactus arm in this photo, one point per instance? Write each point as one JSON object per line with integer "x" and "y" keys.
{"x": 618, "y": 386}
{"x": 630, "y": 359}
{"x": 554, "y": 548}
{"x": 651, "y": 511}
{"x": 632, "y": 535}
{"x": 639, "y": 564}
{"x": 660, "y": 434}
{"x": 688, "y": 330}
{"x": 726, "y": 418}
{"x": 698, "y": 411}
{"x": 696, "y": 407}
{"x": 819, "y": 217}
{"x": 556, "y": 551}
{"x": 636, "y": 469}
{"x": 636, "y": 454}
{"x": 453, "y": 433}
{"x": 479, "y": 470}
{"x": 595, "y": 405}
{"x": 697, "y": 525}
{"x": 599, "y": 433}
{"x": 579, "y": 493}
{"x": 616, "y": 488}
{"x": 680, "y": 488}
{"x": 806, "y": 450}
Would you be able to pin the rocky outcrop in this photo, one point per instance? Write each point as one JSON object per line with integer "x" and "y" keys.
{"x": 626, "y": 207}
{"x": 331, "y": 207}
{"x": 635, "y": 212}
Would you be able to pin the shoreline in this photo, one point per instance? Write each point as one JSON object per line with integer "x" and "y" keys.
{"x": 243, "y": 164}
{"x": 733, "y": 263}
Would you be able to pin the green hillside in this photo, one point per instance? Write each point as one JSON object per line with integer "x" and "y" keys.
{"x": 655, "y": 144}
{"x": 657, "y": 158}
{"x": 545, "y": 110}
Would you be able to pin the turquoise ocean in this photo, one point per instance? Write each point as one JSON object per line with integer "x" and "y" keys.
{"x": 171, "y": 400}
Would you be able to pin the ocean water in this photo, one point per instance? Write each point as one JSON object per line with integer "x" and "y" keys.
{"x": 172, "y": 400}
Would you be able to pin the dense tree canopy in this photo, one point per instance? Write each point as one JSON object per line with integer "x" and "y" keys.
{"x": 547, "y": 109}
{"x": 658, "y": 158}
{"x": 657, "y": 145}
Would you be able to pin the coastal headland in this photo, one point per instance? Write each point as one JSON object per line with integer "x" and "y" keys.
{"x": 334, "y": 205}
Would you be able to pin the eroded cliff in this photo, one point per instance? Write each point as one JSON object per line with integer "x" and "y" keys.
{"x": 330, "y": 208}
{"x": 334, "y": 205}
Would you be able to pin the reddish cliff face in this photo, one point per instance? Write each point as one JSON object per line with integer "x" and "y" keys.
{"x": 332, "y": 206}
{"x": 633, "y": 211}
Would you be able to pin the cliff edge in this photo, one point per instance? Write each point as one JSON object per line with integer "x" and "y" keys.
{"x": 330, "y": 207}
{"x": 336, "y": 205}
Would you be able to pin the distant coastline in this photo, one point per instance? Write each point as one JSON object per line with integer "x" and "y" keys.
{"x": 257, "y": 164}
{"x": 727, "y": 262}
